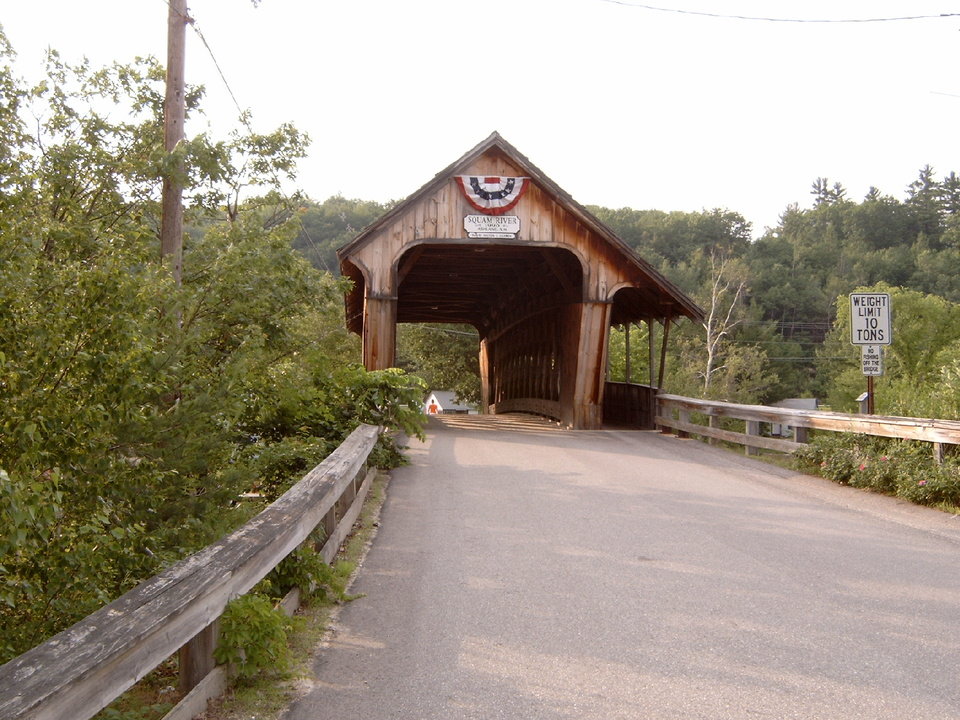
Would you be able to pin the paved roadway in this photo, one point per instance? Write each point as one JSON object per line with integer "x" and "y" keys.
{"x": 525, "y": 572}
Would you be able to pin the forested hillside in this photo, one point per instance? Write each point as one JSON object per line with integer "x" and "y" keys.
{"x": 774, "y": 301}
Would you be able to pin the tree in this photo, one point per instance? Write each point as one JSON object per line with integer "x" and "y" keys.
{"x": 925, "y": 200}
{"x": 444, "y": 356}
{"x": 825, "y": 194}
{"x": 136, "y": 411}
{"x": 926, "y": 345}
{"x": 329, "y": 225}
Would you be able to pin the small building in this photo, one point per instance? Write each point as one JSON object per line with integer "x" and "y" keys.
{"x": 794, "y": 404}
{"x": 441, "y": 402}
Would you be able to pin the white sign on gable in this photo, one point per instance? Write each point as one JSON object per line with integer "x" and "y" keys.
{"x": 492, "y": 226}
{"x": 870, "y": 319}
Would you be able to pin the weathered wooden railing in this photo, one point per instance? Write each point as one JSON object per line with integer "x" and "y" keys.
{"x": 80, "y": 671}
{"x": 674, "y": 411}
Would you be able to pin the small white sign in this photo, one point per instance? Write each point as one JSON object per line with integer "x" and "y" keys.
{"x": 871, "y": 359}
{"x": 492, "y": 226}
{"x": 870, "y": 319}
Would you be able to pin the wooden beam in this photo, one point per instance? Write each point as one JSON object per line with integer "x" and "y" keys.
{"x": 558, "y": 271}
{"x": 663, "y": 352}
{"x": 926, "y": 429}
{"x": 407, "y": 263}
{"x": 379, "y": 332}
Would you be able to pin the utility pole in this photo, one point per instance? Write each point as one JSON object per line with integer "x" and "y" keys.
{"x": 174, "y": 113}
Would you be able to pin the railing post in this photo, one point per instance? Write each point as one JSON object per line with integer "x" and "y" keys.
{"x": 684, "y": 417}
{"x": 196, "y": 657}
{"x": 753, "y": 429}
{"x": 329, "y": 523}
{"x": 801, "y": 434}
{"x": 711, "y": 422}
{"x": 938, "y": 453}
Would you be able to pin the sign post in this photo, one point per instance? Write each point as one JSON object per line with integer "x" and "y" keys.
{"x": 870, "y": 328}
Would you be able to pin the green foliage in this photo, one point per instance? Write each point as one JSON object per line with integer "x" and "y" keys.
{"x": 144, "y": 712}
{"x": 330, "y": 225}
{"x": 639, "y": 354}
{"x": 920, "y": 377}
{"x": 894, "y": 467}
{"x": 136, "y": 412}
{"x": 444, "y": 356}
{"x": 669, "y": 239}
{"x": 253, "y": 636}
{"x": 304, "y": 568}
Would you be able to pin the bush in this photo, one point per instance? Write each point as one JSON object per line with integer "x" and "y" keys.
{"x": 304, "y": 568}
{"x": 253, "y": 636}
{"x": 903, "y": 468}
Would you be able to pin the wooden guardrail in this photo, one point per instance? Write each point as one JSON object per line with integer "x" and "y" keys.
{"x": 674, "y": 411}
{"x": 80, "y": 671}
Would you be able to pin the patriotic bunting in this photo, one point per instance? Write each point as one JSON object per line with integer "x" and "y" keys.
{"x": 492, "y": 195}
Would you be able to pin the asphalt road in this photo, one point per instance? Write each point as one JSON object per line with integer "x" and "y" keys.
{"x": 525, "y": 572}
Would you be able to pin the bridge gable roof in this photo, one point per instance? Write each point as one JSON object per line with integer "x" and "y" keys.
{"x": 495, "y": 151}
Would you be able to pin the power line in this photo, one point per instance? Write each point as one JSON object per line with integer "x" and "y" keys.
{"x": 724, "y": 16}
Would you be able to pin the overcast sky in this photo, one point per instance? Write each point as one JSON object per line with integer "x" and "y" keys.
{"x": 620, "y": 104}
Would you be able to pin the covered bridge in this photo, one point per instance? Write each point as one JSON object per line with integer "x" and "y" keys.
{"x": 494, "y": 243}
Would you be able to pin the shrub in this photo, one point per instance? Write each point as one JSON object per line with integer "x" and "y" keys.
{"x": 903, "y": 468}
{"x": 253, "y": 636}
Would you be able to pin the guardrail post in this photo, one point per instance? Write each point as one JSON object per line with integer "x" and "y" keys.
{"x": 660, "y": 409}
{"x": 801, "y": 434}
{"x": 711, "y": 422}
{"x": 938, "y": 453}
{"x": 329, "y": 523}
{"x": 196, "y": 657}
{"x": 684, "y": 417}
{"x": 753, "y": 429}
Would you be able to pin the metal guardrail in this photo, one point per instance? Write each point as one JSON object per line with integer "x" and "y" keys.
{"x": 80, "y": 671}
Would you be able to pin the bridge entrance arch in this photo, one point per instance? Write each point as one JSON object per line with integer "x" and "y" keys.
{"x": 494, "y": 243}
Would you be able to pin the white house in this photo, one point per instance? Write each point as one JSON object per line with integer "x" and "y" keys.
{"x": 793, "y": 404}
{"x": 445, "y": 401}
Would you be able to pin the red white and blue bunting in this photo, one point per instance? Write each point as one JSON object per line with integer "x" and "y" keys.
{"x": 492, "y": 195}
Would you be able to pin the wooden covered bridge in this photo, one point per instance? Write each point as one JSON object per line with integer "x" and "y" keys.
{"x": 494, "y": 243}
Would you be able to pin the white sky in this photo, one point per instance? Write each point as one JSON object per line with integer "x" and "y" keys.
{"x": 620, "y": 105}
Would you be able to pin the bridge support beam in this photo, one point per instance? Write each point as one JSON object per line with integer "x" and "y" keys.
{"x": 585, "y": 337}
{"x": 379, "y": 332}
{"x": 486, "y": 377}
